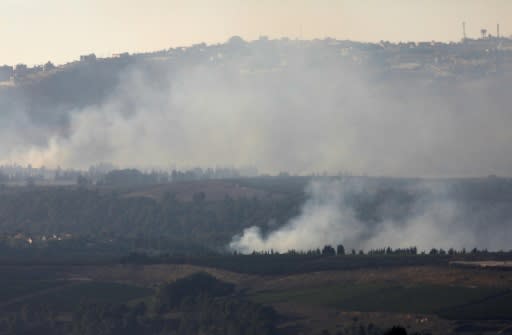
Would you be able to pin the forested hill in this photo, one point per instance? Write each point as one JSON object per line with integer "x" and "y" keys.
{"x": 155, "y": 217}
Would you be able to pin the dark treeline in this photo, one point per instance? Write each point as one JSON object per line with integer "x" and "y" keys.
{"x": 107, "y": 174}
{"x": 131, "y": 177}
{"x": 326, "y": 259}
{"x": 328, "y": 250}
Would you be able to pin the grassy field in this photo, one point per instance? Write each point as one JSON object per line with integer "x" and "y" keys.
{"x": 498, "y": 307}
{"x": 452, "y": 293}
{"x": 13, "y": 289}
{"x": 70, "y": 296}
{"x": 446, "y": 301}
{"x": 21, "y": 281}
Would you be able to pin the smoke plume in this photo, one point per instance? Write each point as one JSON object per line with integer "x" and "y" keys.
{"x": 432, "y": 217}
{"x": 304, "y": 110}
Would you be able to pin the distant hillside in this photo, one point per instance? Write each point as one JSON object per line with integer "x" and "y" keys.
{"x": 278, "y": 105}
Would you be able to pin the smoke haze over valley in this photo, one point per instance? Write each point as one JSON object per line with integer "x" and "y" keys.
{"x": 300, "y": 107}
{"x": 311, "y": 167}
{"x": 292, "y": 106}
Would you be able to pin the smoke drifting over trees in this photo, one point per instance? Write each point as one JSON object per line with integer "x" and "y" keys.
{"x": 276, "y": 105}
{"x": 424, "y": 214}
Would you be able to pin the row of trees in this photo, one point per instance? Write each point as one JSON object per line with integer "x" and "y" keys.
{"x": 328, "y": 250}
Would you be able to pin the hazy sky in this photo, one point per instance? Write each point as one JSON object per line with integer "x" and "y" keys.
{"x": 34, "y": 31}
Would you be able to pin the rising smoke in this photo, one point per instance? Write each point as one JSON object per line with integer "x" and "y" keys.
{"x": 306, "y": 113}
{"x": 433, "y": 217}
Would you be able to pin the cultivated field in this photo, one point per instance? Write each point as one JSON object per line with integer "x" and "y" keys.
{"x": 424, "y": 298}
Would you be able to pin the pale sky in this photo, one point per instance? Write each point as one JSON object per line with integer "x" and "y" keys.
{"x": 35, "y": 31}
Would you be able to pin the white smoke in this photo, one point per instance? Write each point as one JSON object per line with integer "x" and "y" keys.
{"x": 305, "y": 116}
{"x": 326, "y": 219}
{"x": 323, "y": 220}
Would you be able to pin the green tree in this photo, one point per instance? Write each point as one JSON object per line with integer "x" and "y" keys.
{"x": 328, "y": 251}
{"x": 340, "y": 250}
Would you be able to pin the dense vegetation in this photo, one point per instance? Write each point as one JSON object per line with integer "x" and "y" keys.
{"x": 198, "y": 304}
{"x": 94, "y": 217}
{"x": 196, "y": 286}
{"x": 118, "y": 219}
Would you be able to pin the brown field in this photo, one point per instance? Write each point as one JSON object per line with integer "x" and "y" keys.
{"x": 148, "y": 275}
{"x": 303, "y": 316}
{"x": 485, "y": 264}
{"x": 312, "y": 319}
{"x": 415, "y": 275}
{"x": 405, "y": 276}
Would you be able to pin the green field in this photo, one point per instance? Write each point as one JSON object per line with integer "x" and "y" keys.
{"x": 498, "y": 307}
{"x": 446, "y": 301}
{"x": 69, "y": 297}
{"x": 14, "y": 289}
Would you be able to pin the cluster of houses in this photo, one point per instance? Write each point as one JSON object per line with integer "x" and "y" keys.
{"x": 24, "y": 240}
{"x": 404, "y": 56}
{"x": 20, "y": 71}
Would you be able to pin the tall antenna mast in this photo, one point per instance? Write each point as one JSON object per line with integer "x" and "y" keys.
{"x": 464, "y": 31}
{"x": 498, "y": 30}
